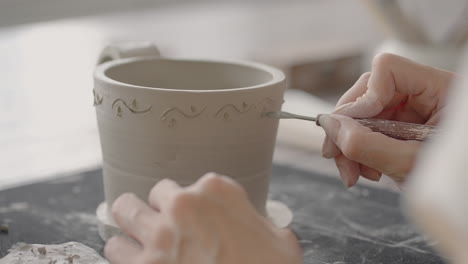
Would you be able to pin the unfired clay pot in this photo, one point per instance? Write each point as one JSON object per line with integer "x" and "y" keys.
{"x": 179, "y": 119}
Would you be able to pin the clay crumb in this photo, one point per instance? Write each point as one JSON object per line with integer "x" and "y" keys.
{"x": 4, "y": 228}
{"x": 42, "y": 250}
{"x": 71, "y": 258}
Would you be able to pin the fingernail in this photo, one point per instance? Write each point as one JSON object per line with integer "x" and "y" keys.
{"x": 375, "y": 176}
{"x": 343, "y": 175}
{"x": 380, "y": 177}
{"x": 326, "y": 151}
{"x": 330, "y": 125}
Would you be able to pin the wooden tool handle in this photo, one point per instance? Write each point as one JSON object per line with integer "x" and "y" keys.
{"x": 399, "y": 130}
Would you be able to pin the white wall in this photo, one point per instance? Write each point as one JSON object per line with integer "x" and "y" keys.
{"x": 438, "y": 14}
{"x": 26, "y": 11}
{"x": 14, "y": 12}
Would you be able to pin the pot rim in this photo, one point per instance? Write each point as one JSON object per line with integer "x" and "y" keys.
{"x": 277, "y": 75}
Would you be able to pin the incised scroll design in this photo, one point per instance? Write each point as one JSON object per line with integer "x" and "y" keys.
{"x": 168, "y": 115}
{"x": 171, "y": 115}
{"x": 228, "y": 110}
{"x": 133, "y": 107}
{"x": 266, "y": 106}
{"x": 97, "y": 98}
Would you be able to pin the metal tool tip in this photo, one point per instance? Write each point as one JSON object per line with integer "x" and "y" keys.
{"x": 272, "y": 114}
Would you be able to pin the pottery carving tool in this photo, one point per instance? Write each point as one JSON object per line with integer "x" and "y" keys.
{"x": 395, "y": 129}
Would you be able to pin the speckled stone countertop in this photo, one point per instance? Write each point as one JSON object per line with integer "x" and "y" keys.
{"x": 334, "y": 225}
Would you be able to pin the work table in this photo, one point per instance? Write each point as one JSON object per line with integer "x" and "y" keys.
{"x": 333, "y": 225}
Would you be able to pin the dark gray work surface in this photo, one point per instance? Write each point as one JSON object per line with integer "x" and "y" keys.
{"x": 362, "y": 225}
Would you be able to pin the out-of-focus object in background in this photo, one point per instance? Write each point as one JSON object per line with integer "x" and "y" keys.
{"x": 439, "y": 56}
{"x": 324, "y": 69}
{"x": 458, "y": 35}
{"x": 436, "y": 195}
{"x": 395, "y": 23}
{"x": 407, "y": 35}
{"x": 325, "y": 78}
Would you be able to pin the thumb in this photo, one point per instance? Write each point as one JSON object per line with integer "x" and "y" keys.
{"x": 358, "y": 143}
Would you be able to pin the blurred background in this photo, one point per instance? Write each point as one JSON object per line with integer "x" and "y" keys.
{"x": 48, "y": 49}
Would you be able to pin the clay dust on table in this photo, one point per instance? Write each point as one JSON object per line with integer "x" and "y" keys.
{"x": 66, "y": 253}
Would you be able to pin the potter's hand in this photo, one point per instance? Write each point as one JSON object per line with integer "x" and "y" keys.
{"x": 395, "y": 89}
{"x": 211, "y": 221}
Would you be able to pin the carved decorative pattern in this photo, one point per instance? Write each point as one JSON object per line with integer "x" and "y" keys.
{"x": 133, "y": 107}
{"x": 97, "y": 98}
{"x": 170, "y": 114}
{"x": 266, "y": 106}
{"x": 228, "y": 110}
